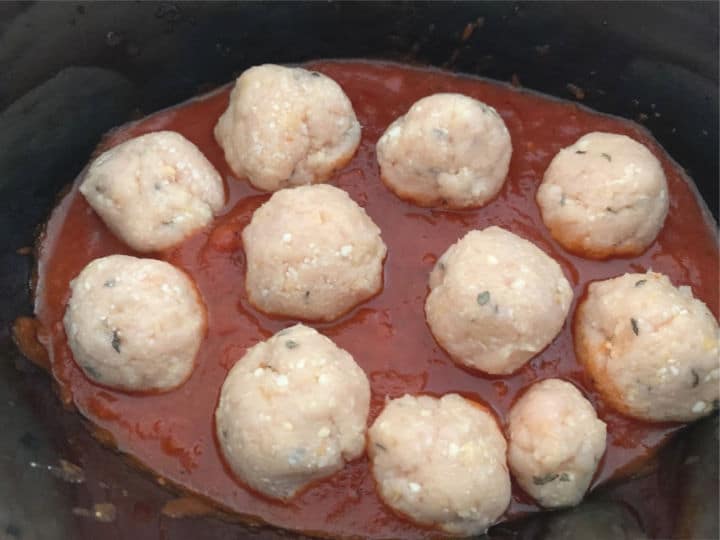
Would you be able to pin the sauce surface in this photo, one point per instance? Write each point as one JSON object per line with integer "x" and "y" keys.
{"x": 173, "y": 433}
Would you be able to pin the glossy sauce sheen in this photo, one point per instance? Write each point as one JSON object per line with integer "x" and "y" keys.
{"x": 173, "y": 433}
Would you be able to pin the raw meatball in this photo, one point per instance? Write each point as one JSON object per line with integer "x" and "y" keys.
{"x": 556, "y": 442}
{"x": 441, "y": 462}
{"x": 292, "y": 410}
{"x": 496, "y": 300}
{"x": 603, "y": 196}
{"x": 134, "y": 324}
{"x": 153, "y": 191}
{"x": 448, "y": 150}
{"x": 312, "y": 253}
{"x": 287, "y": 126}
{"x": 650, "y": 348}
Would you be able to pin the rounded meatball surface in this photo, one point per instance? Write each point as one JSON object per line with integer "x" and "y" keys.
{"x": 556, "y": 442}
{"x": 287, "y": 126}
{"x": 154, "y": 190}
{"x": 134, "y": 324}
{"x": 650, "y": 348}
{"x": 441, "y": 462}
{"x": 448, "y": 150}
{"x": 292, "y": 410}
{"x": 604, "y": 195}
{"x": 312, "y": 253}
{"x": 496, "y": 300}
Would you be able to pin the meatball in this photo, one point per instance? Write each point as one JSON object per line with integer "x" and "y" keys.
{"x": 604, "y": 195}
{"x": 496, "y": 300}
{"x": 650, "y": 348}
{"x": 448, "y": 150}
{"x": 292, "y": 410}
{"x": 287, "y": 126}
{"x": 556, "y": 442}
{"x": 154, "y": 190}
{"x": 312, "y": 253}
{"x": 441, "y": 462}
{"x": 134, "y": 324}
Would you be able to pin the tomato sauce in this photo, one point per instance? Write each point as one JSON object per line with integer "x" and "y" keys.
{"x": 173, "y": 433}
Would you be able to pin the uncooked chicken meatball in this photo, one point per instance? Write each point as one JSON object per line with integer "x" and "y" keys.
{"x": 496, "y": 300}
{"x": 287, "y": 126}
{"x": 441, "y": 462}
{"x": 134, "y": 324}
{"x": 153, "y": 191}
{"x": 312, "y": 253}
{"x": 556, "y": 442}
{"x": 650, "y": 348}
{"x": 603, "y": 196}
{"x": 292, "y": 410}
{"x": 448, "y": 150}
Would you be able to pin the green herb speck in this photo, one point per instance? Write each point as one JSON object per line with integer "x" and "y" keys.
{"x": 635, "y": 328}
{"x": 115, "y": 341}
{"x": 290, "y": 344}
{"x": 483, "y": 298}
{"x": 640, "y": 282}
{"x": 91, "y": 371}
{"x": 606, "y": 156}
{"x": 542, "y": 480}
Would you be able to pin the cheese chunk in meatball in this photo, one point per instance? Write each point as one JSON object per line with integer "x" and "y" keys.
{"x": 556, "y": 442}
{"x": 496, "y": 300}
{"x": 292, "y": 410}
{"x": 286, "y": 127}
{"x": 650, "y": 348}
{"x": 605, "y": 195}
{"x": 312, "y": 253}
{"x": 153, "y": 191}
{"x": 441, "y": 462}
{"x": 448, "y": 150}
{"x": 134, "y": 324}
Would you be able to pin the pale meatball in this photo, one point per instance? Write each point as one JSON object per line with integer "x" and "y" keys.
{"x": 650, "y": 348}
{"x": 496, "y": 300}
{"x": 134, "y": 324}
{"x": 292, "y": 410}
{"x": 287, "y": 126}
{"x": 441, "y": 462}
{"x": 604, "y": 195}
{"x": 312, "y": 253}
{"x": 556, "y": 442}
{"x": 448, "y": 150}
{"x": 153, "y": 191}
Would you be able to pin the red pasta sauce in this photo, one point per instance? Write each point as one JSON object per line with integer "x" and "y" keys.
{"x": 173, "y": 433}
